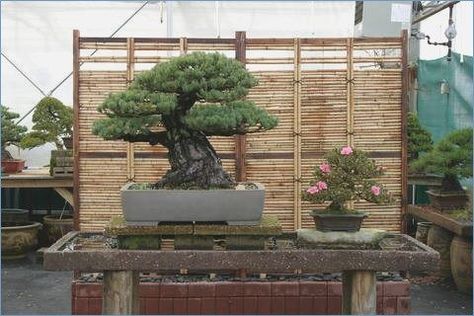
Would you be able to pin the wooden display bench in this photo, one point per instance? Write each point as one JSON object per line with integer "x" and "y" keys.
{"x": 194, "y": 236}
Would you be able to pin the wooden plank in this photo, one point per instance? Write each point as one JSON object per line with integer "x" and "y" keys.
{"x": 76, "y": 108}
{"x": 404, "y": 149}
{"x": 65, "y": 194}
{"x": 359, "y": 293}
{"x": 240, "y": 140}
{"x": 36, "y": 182}
{"x": 120, "y": 293}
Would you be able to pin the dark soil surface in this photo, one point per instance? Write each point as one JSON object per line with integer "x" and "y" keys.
{"x": 29, "y": 290}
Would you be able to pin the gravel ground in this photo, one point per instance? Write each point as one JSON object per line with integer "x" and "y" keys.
{"x": 29, "y": 290}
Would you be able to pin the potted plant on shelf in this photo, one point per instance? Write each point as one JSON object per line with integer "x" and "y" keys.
{"x": 12, "y": 134}
{"x": 177, "y": 104}
{"x": 451, "y": 157}
{"x": 52, "y": 123}
{"x": 347, "y": 174}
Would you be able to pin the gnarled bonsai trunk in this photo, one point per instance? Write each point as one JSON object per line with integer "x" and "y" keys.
{"x": 194, "y": 163}
{"x": 6, "y": 154}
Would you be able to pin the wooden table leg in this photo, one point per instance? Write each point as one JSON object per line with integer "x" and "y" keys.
{"x": 359, "y": 293}
{"x": 120, "y": 293}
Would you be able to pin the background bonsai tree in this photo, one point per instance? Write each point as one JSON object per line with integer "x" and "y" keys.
{"x": 347, "y": 174}
{"x": 419, "y": 139}
{"x": 52, "y": 121}
{"x": 191, "y": 97}
{"x": 11, "y": 132}
{"x": 451, "y": 157}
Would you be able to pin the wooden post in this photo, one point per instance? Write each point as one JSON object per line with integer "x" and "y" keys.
{"x": 404, "y": 152}
{"x": 359, "y": 293}
{"x": 130, "y": 77}
{"x": 75, "y": 102}
{"x": 120, "y": 293}
{"x": 240, "y": 140}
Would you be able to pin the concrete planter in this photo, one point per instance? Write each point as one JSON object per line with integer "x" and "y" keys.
{"x": 150, "y": 207}
{"x": 14, "y": 215}
{"x": 18, "y": 238}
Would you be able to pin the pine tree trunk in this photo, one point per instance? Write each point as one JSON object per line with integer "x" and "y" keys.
{"x": 194, "y": 164}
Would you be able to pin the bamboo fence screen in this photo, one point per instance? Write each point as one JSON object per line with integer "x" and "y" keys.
{"x": 326, "y": 92}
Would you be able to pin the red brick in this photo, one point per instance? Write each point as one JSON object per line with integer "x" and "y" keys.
{"x": 250, "y": 305}
{"x": 149, "y": 290}
{"x": 142, "y": 303}
{"x": 403, "y": 305}
{"x": 81, "y": 306}
{"x": 264, "y": 305}
{"x": 95, "y": 306}
{"x": 389, "y": 305}
{"x": 334, "y": 288}
{"x": 379, "y": 289}
{"x": 334, "y": 306}
{"x": 285, "y": 289}
{"x": 201, "y": 289}
{"x": 194, "y": 306}
{"x": 305, "y": 305}
{"x": 89, "y": 290}
{"x": 379, "y": 306}
{"x": 174, "y": 290}
{"x": 278, "y": 305}
{"x": 320, "y": 305}
{"x": 166, "y": 306}
{"x": 152, "y": 306}
{"x": 180, "y": 306}
{"x": 73, "y": 288}
{"x": 208, "y": 305}
{"x": 396, "y": 288}
{"x": 257, "y": 289}
{"x": 222, "y": 305}
{"x": 291, "y": 305}
{"x": 236, "y": 305}
{"x": 313, "y": 288}
{"x": 229, "y": 289}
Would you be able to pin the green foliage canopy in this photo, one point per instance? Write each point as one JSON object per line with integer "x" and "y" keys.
{"x": 11, "y": 132}
{"x": 51, "y": 121}
{"x": 196, "y": 92}
{"x": 419, "y": 139}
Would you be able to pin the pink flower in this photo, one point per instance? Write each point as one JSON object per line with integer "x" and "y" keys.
{"x": 375, "y": 190}
{"x": 321, "y": 185}
{"x": 346, "y": 150}
{"x": 325, "y": 168}
{"x": 312, "y": 190}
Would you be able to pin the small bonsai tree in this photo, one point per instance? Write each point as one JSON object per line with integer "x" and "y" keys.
{"x": 451, "y": 157}
{"x": 11, "y": 132}
{"x": 52, "y": 121}
{"x": 419, "y": 139}
{"x": 347, "y": 174}
{"x": 191, "y": 97}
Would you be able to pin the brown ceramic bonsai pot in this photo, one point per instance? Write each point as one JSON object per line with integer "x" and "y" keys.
{"x": 327, "y": 222}
{"x": 447, "y": 200}
{"x": 18, "y": 238}
{"x": 13, "y": 165}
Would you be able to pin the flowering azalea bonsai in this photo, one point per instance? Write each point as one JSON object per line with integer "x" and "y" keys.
{"x": 347, "y": 174}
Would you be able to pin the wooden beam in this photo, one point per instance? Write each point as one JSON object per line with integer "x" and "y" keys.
{"x": 120, "y": 293}
{"x": 65, "y": 194}
{"x": 76, "y": 149}
{"x": 359, "y": 295}
{"x": 240, "y": 140}
{"x": 36, "y": 182}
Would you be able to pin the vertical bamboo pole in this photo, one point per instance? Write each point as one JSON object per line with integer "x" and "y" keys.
{"x": 130, "y": 76}
{"x": 404, "y": 145}
{"x": 297, "y": 132}
{"x": 350, "y": 98}
{"x": 76, "y": 105}
{"x": 240, "y": 140}
{"x": 183, "y": 46}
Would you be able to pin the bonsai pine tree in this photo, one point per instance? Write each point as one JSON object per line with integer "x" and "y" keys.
{"x": 178, "y": 104}
{"x": 52, "y": 120}
{"x": 419, "y": 139}
{"x": 347, "y": 174}
{"x": 451, "y": 157}
{"x": 11, "y": 132}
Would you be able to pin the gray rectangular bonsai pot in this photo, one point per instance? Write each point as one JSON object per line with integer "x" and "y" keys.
{"x": 150, "y": 207}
